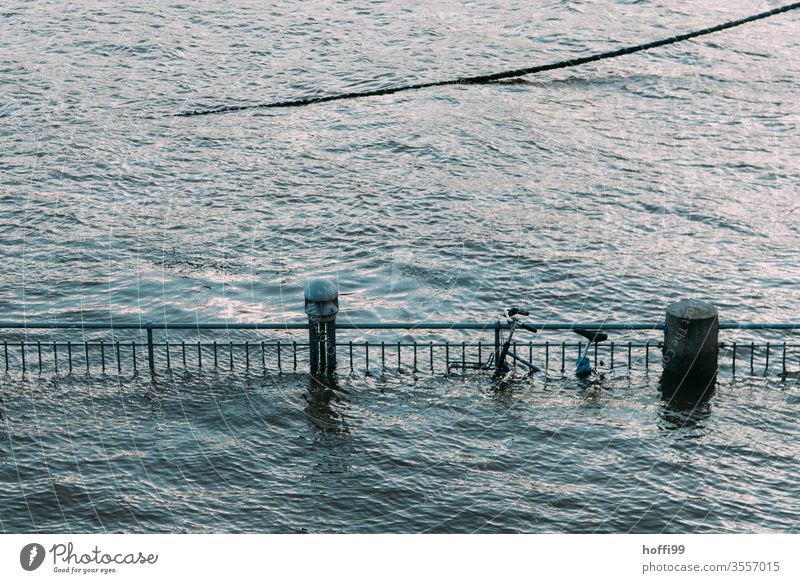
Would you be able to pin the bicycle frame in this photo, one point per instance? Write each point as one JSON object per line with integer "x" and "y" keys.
{"x": 501, "y": 367}
{"x": 499, "y": 359}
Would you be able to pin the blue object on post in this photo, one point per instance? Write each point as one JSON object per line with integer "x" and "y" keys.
{"x": 583, "y": 368}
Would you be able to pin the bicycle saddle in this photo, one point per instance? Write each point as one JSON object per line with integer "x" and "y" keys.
{"x": 591, "y": 335}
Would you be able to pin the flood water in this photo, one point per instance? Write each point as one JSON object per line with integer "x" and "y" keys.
{"x": 601, "y": 192}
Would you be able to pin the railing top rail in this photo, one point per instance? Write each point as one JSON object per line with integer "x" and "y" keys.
{"x": 373, "y": 325}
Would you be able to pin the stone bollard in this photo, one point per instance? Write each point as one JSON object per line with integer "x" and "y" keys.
{"x": 690, "y": 343}
{"x": 322, "y": 305}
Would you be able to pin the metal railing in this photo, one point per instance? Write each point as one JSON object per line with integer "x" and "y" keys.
{"x": 46, "y": 347}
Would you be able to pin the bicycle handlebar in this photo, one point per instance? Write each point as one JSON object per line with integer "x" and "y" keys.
{"x": 590, "y": 335}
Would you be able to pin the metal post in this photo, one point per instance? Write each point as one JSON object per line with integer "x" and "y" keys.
{"x": 320, "y": 347}
{"x": 331, "y": 344}
{"x": 313, "y": 346}
{"x": 497, "y": 347}
{"x": 150, "y": 359}
{"x": 322, "y": 305}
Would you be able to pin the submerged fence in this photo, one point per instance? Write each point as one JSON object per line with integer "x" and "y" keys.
{"x": 371, "y": 348}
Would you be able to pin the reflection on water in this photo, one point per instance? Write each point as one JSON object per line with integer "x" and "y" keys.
{"x": 684, "y": 392}
{"x": 292, "y": 453}
{"x": 685, "y": 415}
{"x": 685, "y": 405}
{"x": 323, "y": 391}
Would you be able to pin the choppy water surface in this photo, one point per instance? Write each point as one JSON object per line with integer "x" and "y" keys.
{"x": 603, "y": 191}
{"x": 231, "y": 453}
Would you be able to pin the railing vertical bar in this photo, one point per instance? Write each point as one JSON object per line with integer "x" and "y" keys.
{"x": 784, "y": 360}
{"x": 199, "y": 355}
{"x": 150, "y": 357}
{"x": 280, "y": 368}
{"x": 771, "y": 361}
{"x": 546, "y": 355}
{"x": 366, "y": 355}
{"x": 496, "y": 344}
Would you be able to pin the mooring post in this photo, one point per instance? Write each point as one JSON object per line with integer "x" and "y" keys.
{"x": 322, "y": 305}
{"x": 691, "y": 343}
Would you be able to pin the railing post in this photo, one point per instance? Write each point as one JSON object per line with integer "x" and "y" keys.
{"x": 322, "y": 305}
{"x": 150, "y": 358}
{"x": 497, "y": 347}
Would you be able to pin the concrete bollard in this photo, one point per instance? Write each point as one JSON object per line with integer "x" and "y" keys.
{"x": 322, "y": 305}
{"x": 690, "y": 343}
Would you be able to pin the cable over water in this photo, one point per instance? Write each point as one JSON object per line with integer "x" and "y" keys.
{"x": 491, "y": 77}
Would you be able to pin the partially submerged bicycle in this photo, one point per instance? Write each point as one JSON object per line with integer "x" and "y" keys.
{"x": 498, "y": 361}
